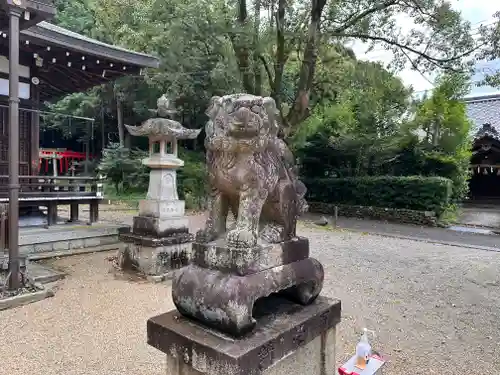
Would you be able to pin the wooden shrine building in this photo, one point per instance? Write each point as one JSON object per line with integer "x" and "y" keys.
{"x": 484, "y": 183}
{"x": 52, "y": 62}
{"x": 42, "y": 62}
{"x": 55, "y": 62}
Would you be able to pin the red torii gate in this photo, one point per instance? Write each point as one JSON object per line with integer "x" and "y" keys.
{"x": 65, "y": 157}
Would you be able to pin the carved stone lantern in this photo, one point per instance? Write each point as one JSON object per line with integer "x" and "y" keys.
{"x": 161, "y": 222}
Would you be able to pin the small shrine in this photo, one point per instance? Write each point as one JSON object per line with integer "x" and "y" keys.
{"x": 485, "y": 164}
{"x": 160, "y": 239}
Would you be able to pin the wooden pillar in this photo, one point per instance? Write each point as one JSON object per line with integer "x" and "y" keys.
{"x": 74, "y": 207}
{"x": 94, "y": 211}
{"x": 51, "y": 213}
{"x": 87, "y": 151}
{"x": 54, "y": 164}
{"x": 73, "y": 213}
{"x": 14, "y": 263}
{"x": 103, "y": 132}
{"x": 94, "y": 205}
{"x": 35, "y": 130}
{"x": 119, "y": 117}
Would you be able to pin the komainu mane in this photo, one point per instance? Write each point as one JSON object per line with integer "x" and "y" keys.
{"x": 251, "y": 172}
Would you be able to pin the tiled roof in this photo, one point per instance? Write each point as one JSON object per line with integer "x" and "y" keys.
{"x": 57, "y": 36}
{"x": 484, "y": 110}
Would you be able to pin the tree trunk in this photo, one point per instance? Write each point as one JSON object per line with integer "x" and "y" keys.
{"x": 241, "y": 49}
{"x": 119, "y": 116}
{"x": 280, "y": 61}
{"x": 436, "y": 129}
{"x": 103, "y": 131}
{"x": 300, "y": 108}
{"x": 257, "y": 68}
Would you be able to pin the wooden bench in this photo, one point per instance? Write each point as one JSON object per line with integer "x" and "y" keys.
{"x": 51, "y": 192}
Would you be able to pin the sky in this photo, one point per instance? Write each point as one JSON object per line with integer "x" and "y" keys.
{"x": 476, "y": 12}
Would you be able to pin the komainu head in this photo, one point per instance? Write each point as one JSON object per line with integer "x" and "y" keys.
{"x": 240, "y": 118}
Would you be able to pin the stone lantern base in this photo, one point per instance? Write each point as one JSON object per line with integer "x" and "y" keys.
{"x": 159, "y": 242}
{"x": 157, "y": 258}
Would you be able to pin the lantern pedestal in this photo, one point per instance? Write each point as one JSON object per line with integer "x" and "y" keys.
{"x": 160, "y": 240}
{"x": 161, "y": 214}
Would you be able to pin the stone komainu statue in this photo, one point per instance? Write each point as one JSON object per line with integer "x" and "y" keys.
{"x": 251, "y": 172}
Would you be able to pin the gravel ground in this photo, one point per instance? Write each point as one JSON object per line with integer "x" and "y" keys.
{"x": 429, "y": 304}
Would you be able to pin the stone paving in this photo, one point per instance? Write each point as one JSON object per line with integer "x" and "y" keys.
{"x": 427, "y": 234}
{"x": 482, "y": 216}
{"x": 430, "y": 304}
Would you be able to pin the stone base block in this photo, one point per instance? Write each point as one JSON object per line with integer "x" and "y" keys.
{"x": 163, "y": 209}
{"x": 225, "y": 301}
{"x": 218, "y": 256}
{"x": 157, "y": 260}
{"x": 175, "y": 239}
{"x": 288, "y": 339}
{"x": 156, "y": 227}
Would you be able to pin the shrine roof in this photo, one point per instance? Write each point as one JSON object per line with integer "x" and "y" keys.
{"x": 38, "y": 10}
{"x": 65, "y": 62}
{"x": 58, "y": 36}
{"x": 483, "y": 110}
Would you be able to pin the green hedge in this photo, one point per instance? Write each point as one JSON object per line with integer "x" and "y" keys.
{"x": 413, "y": 193}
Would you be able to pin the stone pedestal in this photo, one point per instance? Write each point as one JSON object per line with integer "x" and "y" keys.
{"x": 160, "y": 241}
{"x": 157, "y": 258}
{"x": 221, "y": 285}
{"x": 288, "y": 339}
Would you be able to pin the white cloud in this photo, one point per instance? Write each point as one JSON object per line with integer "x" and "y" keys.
{"x": 477, "y": 11}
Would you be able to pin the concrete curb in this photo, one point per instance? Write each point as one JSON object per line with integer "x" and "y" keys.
{"x": 420, "y": 239}
{"x": 64, "y": 253}
{"x": 24, "y": 299}
{"x": 311, "y": 224}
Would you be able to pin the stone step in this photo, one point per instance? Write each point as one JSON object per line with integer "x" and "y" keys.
{"x": 43, "y": 274}
{"x": 37, "y": 273}
{"x": 68, "y": 237}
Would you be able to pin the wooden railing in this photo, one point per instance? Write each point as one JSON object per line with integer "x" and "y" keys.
{"x": 48, "y": 187}
{"x": 51, "y": 191}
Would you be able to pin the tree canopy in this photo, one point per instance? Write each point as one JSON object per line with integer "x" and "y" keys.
{"x": 349, "y": 116}
{"x": 269, "y": 47}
